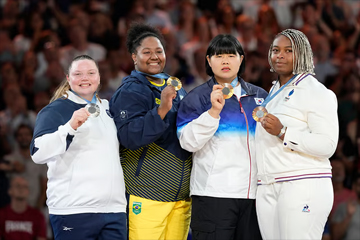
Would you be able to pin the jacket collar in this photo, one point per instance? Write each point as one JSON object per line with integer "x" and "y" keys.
{"x": 244, "y": 86}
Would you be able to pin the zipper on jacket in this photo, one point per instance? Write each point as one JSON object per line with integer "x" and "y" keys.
{"x": 247, "y": 142}
{"x": 141, "y": 160}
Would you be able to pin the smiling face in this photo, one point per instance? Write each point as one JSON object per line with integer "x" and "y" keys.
{"x": 225, "y": 66}
{"x": 150, "y": 56}
{"x": 282, "y": 57}
{"x": 84, "y": 78}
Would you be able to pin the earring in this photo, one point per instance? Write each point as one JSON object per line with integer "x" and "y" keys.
{"x": 135, "y": 62}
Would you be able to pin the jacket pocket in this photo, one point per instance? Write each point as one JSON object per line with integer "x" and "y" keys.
{"x": 141, "y": 160}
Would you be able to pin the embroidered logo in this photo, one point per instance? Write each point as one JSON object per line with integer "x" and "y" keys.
{"x": 108, "y": 113}
{"x": 288, "y": 96}
{"x": 259, "y": 101}
{"x": 67, "y": 229}
{"x": 123, "y": 114}
{"x": 136, "y": 207}
{"x": 306, "y": 209}
{"x": 181, "y": 97}
{"x": 158, "y": 101}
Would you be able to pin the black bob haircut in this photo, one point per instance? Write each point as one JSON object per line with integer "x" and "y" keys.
{"x": 224, "y": 44}
{"x": 137, "y": 32}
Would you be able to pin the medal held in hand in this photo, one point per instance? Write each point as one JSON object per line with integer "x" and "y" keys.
{"x": 175, "y": 82}
{"x": 258, "y": 113}
{"x": 228, "y": 90}
{"x": 93, "y": 109}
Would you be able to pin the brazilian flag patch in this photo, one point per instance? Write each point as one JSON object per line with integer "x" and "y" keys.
{"x": 136, "y": 208}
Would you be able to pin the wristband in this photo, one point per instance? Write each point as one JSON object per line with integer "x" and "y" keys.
{"x": 282, "y": 132}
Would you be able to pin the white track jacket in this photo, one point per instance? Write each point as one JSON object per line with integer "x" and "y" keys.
{"x": 223, "y": 149}
{"x": 309, "y": 111}
{"x": 85, "y": 174}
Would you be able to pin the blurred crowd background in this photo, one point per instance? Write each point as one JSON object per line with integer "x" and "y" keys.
{"x": 39, "y": 38}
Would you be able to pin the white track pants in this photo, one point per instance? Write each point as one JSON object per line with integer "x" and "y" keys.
{"x": 295, "y": 210}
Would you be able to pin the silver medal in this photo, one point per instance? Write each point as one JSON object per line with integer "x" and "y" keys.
{"x": 93, "y": 109}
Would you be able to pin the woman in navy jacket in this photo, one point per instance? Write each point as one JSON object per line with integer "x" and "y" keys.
{"x": 156, "y": 168}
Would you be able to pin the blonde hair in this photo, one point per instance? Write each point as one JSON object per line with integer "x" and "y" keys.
{"x": 64, "y": 86}
{"x": 302, "y": 53}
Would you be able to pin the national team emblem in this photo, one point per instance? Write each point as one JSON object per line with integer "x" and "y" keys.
{"x": 108, "y": 113}
{"x": 288, "y": 96}
{"x": 259, "y": 101}
{"x": 123, "y": 114}
{"x": 158, "y": 101}
{"x": 306, "y": 209}
{"x": 136, "y": 208}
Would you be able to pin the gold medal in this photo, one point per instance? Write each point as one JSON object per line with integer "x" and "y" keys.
{"x": 175, "y": 82}
{"x": 93, "y": 109}
{"x": 227, "y": 90}
{"x": 258, "y": 113}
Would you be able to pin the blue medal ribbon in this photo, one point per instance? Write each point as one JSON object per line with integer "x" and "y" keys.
{"x": 93, "y": 100}
{"x": 234, "y": 82}
{"x": 270, "y": 97}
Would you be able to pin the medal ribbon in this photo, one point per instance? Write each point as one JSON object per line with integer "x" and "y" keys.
{"x": 93, "y": 100}
{"x": 270, "y": 97}
{"x": 234, "y": 82}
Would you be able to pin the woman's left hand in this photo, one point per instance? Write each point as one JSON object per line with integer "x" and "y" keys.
{"x": 271, "y": 124}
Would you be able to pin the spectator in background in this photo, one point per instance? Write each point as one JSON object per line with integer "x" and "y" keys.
{"x": 15, "y": 113}
{"x": 324, "y": 65}
{"x": 7, "y": 48}
{"x": 18, "y": 220}
{"x": 200, "y": 38}
{"x": 245, "y": 26}
{"x": 156, "y": 17}
{"x": 27, "y": 76}
{"x": 8, "y": 74}
{"x": 267, "y": 25}
{"x": 49, "y": 72}
{"x": 120, "y": 66}
{"x": 341, "y": 194}
{"x": 225, "y": 20}
{"x": 9, "y": 18}
{"x": 33, "y": 25}
{"x": 101, "y": 31}
{"x": 346, "y": 218}
{"x": 79, "y": 45}
{"x": 313, "y": 23}
{"x": 185, "y": 29}
{"x": 33, "y": 173}
{"x": 41, "y": 99}
{"x": 105, "y": 91}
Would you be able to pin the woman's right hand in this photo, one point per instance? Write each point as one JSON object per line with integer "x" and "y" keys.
{"x": 217, "y": 101}
{"x": 78, "y": 118}
{"x": 167, "y": 96}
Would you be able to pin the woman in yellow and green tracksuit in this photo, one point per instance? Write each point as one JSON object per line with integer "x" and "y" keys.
{"x": 156, "y": 168}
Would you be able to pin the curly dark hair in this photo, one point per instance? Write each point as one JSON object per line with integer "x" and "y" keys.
{"x": 137, "y": 32}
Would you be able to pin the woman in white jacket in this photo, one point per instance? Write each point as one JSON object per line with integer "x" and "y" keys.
{"x": 220, "y": 132}
{"x": 293, "y": 144}
{"x": 75, "y": 136}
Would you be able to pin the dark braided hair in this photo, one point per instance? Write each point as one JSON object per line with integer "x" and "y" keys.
{"x": 137, "y": 32}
